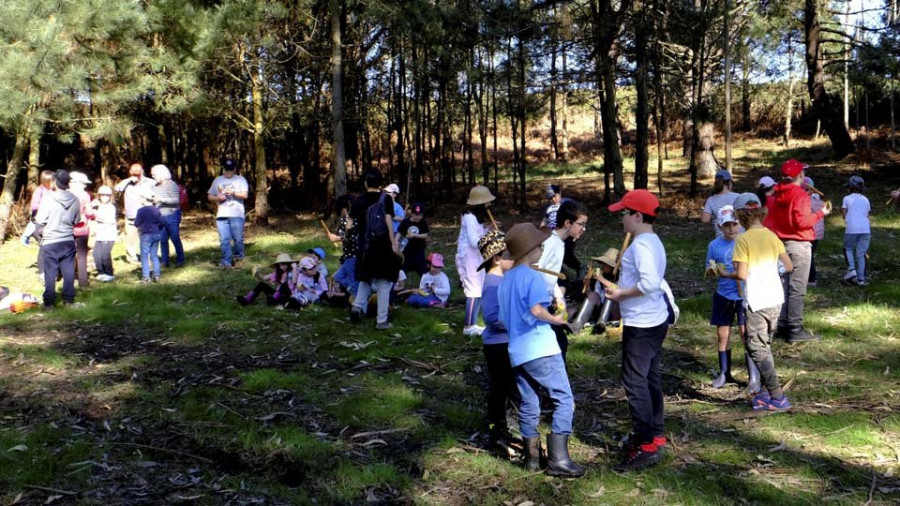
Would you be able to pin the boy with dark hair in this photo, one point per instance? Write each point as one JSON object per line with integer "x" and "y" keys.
{"x": 756, "y": 257}
{"x": 413, "y": 233}
{"x": 647, "y": 311}
{"x": 535, "y": 355}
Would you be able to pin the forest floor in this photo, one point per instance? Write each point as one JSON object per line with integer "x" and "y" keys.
{"x": 172, "y": 393}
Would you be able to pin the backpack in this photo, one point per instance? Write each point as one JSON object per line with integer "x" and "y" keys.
{"x": 184, "y": 200}
{"x": 376, "y": 227}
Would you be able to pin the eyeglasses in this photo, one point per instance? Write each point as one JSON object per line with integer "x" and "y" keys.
{"x": 627, "y": 212}
{"x": 582, "y": 224}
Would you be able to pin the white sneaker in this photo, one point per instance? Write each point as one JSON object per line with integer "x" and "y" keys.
{"x": 850, "y": 275}
{"x": 106, "y": 278}
{"x": 472, "y": 330}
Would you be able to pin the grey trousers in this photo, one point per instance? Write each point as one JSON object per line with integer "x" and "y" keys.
{"x": 760, "y": 328}
{"x": 795, "y": 285}
{"x": 382, "y": 287}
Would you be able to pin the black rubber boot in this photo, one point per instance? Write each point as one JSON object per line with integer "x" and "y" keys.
{"x": 753, "y": 386}
{"x": 532, "y": 453}
{"x": 558, "y": 461}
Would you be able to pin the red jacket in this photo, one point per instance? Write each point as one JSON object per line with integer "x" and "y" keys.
{"x": 790, "y": 213}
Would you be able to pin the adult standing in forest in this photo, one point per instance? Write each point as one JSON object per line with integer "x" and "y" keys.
{"x": 721, "y": 196}
{"x": 793, "y": 222}
{"x": 59, "y": 214}
{"x": 378, "y": 261}
{"x": 468, "y": 256}
{"x": 167, "y": 198}
{"x": 130, "y": 188}
{"x": 44, "y": 189}
{"x": 229, "y": 191}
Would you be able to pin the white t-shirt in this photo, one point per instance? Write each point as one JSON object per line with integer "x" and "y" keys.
{"x": 858, "y": 207}
{"x": 232, "y": 207}
{"x": 552, "y": 260}
{"x": 439, "y": 284}
{"x": 644, "y": 266}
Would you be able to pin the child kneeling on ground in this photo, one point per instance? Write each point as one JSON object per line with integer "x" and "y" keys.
{"x": 756, "y": 256}
{"x": 434, "y": 287}
{"x": 535, "y": 354}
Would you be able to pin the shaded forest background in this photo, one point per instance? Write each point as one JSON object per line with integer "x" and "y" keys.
{"x": 308, "y": 94}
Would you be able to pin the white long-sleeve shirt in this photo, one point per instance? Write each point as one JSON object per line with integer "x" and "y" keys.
{"x": 644, "y": 266}
{"x": 552, "y": 260}
{"x": 438, "y": 284}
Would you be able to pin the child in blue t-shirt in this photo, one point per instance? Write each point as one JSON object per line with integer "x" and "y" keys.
{"x": 535, "y": 354}
{"x": 728, "y": 300}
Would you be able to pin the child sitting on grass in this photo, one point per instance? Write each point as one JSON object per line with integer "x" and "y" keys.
{"x": 434, "y": 287}
{"x": 535, "y": 354}
{"x": 855, "y": 210}
{"x": 309, "y": 284}
{"x": 280, "y": 277}
{"x": 756, "y": 256}
{"x": 728, "y": 301}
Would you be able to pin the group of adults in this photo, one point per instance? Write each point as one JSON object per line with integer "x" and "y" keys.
{"x": 64, "y": 216}
{"x": 791, "y": 218}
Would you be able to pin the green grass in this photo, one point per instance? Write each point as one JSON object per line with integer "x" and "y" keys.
{"x": 303, "y": 407}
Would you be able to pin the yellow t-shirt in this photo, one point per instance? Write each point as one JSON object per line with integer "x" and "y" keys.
{"x": 759, "y": 248}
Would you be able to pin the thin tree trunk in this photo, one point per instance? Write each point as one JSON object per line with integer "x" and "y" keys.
{"x": 554, "y": 140}
{"x": 339, "y": 164}
{"x": 642, "y": 117}
{"x": 726, "y": 43}
{"x": 564, "y": 98}
{"x": 34, "y": 158}
{"x": 893, "y": 124}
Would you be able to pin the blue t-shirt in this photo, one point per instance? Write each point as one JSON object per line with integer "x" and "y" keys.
{"x": 398, "y": 215}
{"x": 494, "y": 331}
{"x": 721, "y": 250}
{"x": 529, "y": 338}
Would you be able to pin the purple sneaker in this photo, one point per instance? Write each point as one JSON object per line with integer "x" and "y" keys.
{"x": 761, "y": 401}
{"x": 779, "y": 404}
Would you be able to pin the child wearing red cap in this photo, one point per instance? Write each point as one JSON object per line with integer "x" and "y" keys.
{"x": 647, "y": 311}
{"x": 434, "y": 288}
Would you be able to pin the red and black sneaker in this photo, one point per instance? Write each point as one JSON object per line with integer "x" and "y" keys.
{"x": 659, "y": 442}
{"x": 639, "y": 457}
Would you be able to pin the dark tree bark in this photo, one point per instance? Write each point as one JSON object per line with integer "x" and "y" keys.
{"x": 642, "y": 117}
{"x": 826, "y": 107}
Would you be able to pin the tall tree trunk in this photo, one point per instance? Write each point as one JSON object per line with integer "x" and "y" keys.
{"x": 612, "y": 155}
{"x": 564, "y": 98}
{"x": 726, "y": 46}
{"x": 261, "y": 179}
{"x": 34, "y": 157}
{"x": 339, "y": 160}
{"x": 824, "y": 105}
{"x": 642, "y": 116}
{"x": 522, "y": 119}
{"x": 554, "y": 140}
{"x": 13, "y": 168}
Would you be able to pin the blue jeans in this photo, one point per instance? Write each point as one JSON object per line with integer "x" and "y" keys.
{"x": 855, "y": 248}
{"x": 171, "y": 231}
{"x": 550, "y": 373}
{"x": 346, "y": 275}
{"x": 231, "y": 229}
{"x": 149, "y": 246}
{"x": 423, "y": 301}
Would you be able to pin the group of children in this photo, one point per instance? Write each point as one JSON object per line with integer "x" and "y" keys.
{"x": 752, "y": 267}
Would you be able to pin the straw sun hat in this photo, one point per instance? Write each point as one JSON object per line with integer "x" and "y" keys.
{"x": 283, "y": 258}
{"x": 608, "y": 258}
{"x": 479, "y": 195}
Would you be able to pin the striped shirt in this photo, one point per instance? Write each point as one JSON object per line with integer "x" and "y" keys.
{"x": 716, "y": 202}
{"x": 168, "y": 199}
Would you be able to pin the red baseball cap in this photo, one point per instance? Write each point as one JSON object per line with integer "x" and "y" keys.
{"x": 792, "y": 167}
{"x": 641, "y": 201}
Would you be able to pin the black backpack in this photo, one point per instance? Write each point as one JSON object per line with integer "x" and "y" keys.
{"x": 376, "y": 227}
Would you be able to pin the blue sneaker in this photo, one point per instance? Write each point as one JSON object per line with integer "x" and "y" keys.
{"x": 779, "y": 404}
{"x": 761, "y": 401}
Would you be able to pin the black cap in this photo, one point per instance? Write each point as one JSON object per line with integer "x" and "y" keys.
{"x": 374, "y": 179}
{"x": 62, "y": 179}
{"x": 229, "y": 165}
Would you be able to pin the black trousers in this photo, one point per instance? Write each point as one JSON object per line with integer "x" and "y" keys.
{"x": 59, "y": 258}
{"x": 642, "y": 379}
{"x": 502, "y": 386}
{"x": 81, "y": 251}
{"x": 103, "y": 257}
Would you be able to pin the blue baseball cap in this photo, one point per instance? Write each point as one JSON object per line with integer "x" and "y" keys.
{"x": 724, "y": 175}
{"x": 317, "y": 251}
